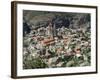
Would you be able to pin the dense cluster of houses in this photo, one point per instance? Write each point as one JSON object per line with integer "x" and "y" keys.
{"x": 58, "y": 47}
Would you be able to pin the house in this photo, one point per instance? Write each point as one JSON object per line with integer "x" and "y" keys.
{"x": 47, "y": 42}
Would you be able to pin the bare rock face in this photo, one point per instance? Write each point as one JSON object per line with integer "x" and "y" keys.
{"x": 69, "y": 20}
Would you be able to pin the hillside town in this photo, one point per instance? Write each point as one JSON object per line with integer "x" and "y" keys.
{"x": 51, "y": 46}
